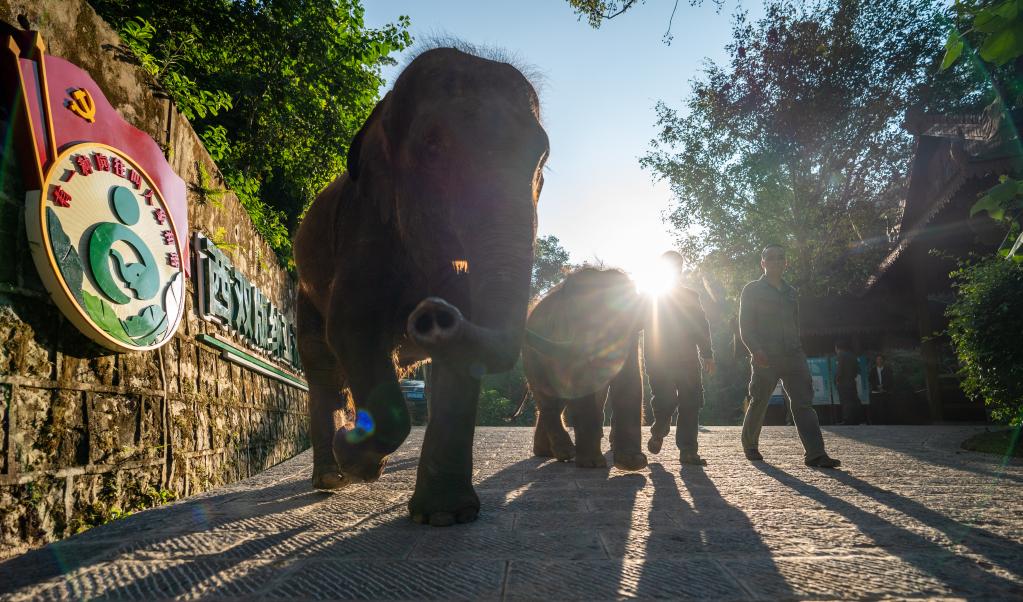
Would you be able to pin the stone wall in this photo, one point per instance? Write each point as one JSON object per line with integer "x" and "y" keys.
{"x": 87, "y": 434}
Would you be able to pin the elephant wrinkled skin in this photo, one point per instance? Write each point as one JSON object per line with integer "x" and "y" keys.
{"x": 582, "y": 348}
{"x": 423, "y": 249}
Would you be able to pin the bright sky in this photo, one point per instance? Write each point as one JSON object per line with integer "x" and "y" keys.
{"x": 598, "y": 94}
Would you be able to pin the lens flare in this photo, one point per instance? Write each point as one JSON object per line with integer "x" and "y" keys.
{"x": 364, "y": 427}
{"x": 655, "y": 278}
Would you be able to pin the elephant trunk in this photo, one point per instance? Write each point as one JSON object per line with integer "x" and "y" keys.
{"x": 499, "y": 297}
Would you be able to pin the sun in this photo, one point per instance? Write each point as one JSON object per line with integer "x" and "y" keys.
{"x": 654, "y": 278}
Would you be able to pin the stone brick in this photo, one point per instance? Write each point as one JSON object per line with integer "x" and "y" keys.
{"x": 114, "y": 427}
{"x": 182, "y": 425}
{"x": 152, "y": 423}
{"x": 140, "y": 370}
{"x": 32, "y": 513}
{"x": 31, "y": 410}
{"x": 23, "y": 348}
{"x": 99, "y": 370}
{"x": 64, "y": 440}
{"x": 207, "y": 366}
{"x": 170, "y": 353}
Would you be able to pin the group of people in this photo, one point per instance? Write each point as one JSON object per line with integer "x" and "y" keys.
{"x": 677, "y": 349}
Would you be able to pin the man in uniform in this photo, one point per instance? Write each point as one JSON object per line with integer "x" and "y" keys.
{"x": 769, "y": 326}
{"x": 675, "y": 331}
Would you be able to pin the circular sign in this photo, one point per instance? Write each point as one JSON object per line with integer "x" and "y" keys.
{"x": 105, "y": 245}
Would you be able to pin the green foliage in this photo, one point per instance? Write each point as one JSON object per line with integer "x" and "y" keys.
{"x": 1004, "y": 203}
{"x": 493, "y": 409}
{"x": 996, "y": 29}
{"x": 797, "y": 140}
{"x": 989, "y": 299}
{"x": 277, "y": 88}
{"x": 104, "y": 511}
{"x": 500, "y": 398}
{"x": 205, "y": 189}
{"x": 550, "y": 263}
{"x": 191, "y": 100}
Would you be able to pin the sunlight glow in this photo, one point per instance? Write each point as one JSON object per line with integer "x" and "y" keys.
{"x": 655, "y": 278}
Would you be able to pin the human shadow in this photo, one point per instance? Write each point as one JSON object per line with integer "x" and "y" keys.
{"x": 978, "y": 540}
{"x": 929, "y": 455}
{"x": 914, "y": 548}
{"x": 709, "y": 534}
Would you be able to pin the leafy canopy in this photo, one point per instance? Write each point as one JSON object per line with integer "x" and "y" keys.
{"x": 797, "y": 140}
{"x": 550, "y": 262}
{"x": 276, "y": 88}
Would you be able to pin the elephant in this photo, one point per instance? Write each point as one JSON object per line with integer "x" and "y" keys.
{"x": 582, "y": 349}
{"x": 422, "y": 249}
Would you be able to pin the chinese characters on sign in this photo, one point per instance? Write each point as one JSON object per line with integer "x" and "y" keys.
{"x": 227, "y": 297}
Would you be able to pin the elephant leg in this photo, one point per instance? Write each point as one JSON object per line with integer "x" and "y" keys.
{"x": 626, "y": 399}
{"x": 551, "y": 438}
{"x": 444, "y": 493}
{"x": 381, "y": 421}
{"x": 588, "y": 415}
{"x": 325, "y": 400}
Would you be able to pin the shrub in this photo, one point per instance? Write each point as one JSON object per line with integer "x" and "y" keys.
{"x": 985, "y": 327}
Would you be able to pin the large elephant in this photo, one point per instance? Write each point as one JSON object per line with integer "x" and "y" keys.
{"x": 423, "y": 249}
{"x": 582, "y": 351}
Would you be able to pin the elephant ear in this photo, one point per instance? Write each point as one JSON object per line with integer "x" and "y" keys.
{"x": 369, "y": 159}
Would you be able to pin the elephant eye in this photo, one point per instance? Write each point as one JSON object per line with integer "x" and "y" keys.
{"x": 433, "y": 142}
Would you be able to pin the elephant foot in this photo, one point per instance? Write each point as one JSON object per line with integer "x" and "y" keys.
{"x": 359, "y": 462}
{"x": 629, "y": 460}
{"x": 328, "y": 478}
{"x": 562, "y": 447}
{"x": 443, "y": 506}
{"x": 542, "y": 445}
{"x": 590, "y": 459}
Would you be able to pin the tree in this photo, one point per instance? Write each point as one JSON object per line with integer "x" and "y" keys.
{"x": 550, "y": 262}
{"x": 797, "y": 140}
{"x": 276, "y": 88}
{"x": 989, "y": 301}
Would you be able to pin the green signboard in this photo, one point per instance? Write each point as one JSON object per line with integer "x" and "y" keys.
{"x": 228, "y": 298}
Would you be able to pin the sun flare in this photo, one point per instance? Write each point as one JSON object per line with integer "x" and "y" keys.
{"x": 655, "y": 278}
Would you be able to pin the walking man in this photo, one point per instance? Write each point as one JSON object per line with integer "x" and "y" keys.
{"x": 769, "y": 327}
{"x": 676, "y": 331}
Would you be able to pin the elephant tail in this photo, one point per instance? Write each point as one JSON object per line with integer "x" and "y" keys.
{"x": 521, "y": 406}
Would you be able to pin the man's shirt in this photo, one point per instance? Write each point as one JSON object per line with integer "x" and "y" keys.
{"x": 676, "y": 329}
{"x": 769, "y": 318}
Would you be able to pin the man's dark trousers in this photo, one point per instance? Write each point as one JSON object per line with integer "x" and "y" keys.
{"x": 852, "y": 408}
{"x": 682, "y": 388}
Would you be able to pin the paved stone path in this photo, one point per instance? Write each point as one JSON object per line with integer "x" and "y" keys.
{"x": 908, "y": 516}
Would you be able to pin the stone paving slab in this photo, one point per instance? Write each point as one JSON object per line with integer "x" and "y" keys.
{"x": 909, "y": 515}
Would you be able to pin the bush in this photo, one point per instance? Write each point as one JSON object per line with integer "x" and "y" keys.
{"x": 984, "y": 324}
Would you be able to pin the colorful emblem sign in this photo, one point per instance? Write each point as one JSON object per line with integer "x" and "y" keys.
{"x": 105, "y": 214}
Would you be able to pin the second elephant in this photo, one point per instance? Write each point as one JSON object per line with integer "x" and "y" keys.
{"x": 582, "y": 350}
